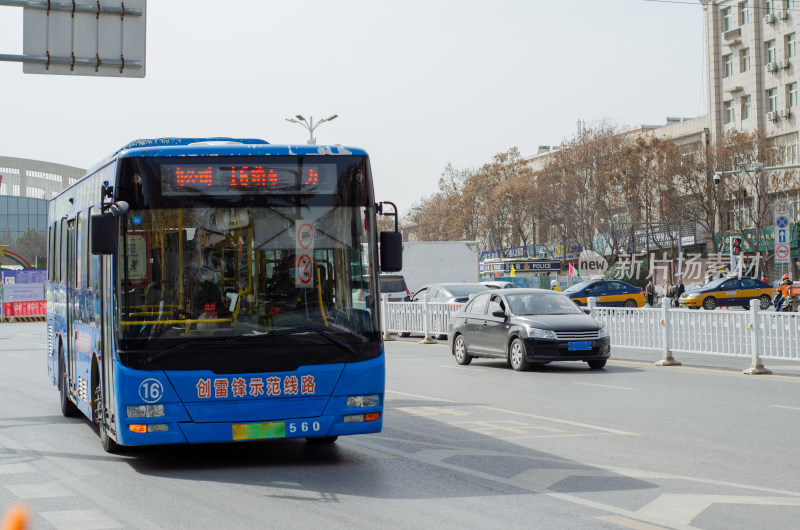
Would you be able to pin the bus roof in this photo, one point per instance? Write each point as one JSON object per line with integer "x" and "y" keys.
{"x": 219, "y": 146}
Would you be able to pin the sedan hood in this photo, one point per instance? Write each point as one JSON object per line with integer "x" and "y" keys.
{"x": 572, "y": 322}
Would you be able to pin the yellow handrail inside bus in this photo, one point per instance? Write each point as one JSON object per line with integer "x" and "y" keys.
{"x": 187, "y": 321}
{"x": 319, "y": 293}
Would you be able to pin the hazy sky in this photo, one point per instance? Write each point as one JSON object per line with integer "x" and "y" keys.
{"x": 418, "y": 84}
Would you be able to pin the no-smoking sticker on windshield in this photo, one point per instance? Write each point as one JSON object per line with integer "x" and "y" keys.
{"x": 305, "y": 267}
{"x": 304, "y": 253}
{"x": 305, "y": 235}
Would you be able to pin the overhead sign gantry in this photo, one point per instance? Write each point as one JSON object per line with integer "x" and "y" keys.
{"x": 105, "y": 38}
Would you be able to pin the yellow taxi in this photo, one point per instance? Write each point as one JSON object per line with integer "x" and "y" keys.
{"x": 728, "y": 292}
{"x": 610, "y": 293}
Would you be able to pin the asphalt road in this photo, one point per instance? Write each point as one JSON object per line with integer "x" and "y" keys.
{"x": 479, "y": 446}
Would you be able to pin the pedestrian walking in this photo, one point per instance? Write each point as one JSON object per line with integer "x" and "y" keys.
{"x": 650, "y": 292}
{"x": 679, "y": 290}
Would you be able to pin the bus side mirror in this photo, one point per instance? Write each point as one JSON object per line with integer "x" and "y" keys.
{"x": 391, "y": 251}
{"x": 103, "y": 232}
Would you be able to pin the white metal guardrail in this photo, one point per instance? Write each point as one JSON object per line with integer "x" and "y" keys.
{"x": 430, "y": 318}
{"x": 753, "y": 334}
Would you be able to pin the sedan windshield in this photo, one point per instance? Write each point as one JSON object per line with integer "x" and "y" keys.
{"x": 542, "y": 304}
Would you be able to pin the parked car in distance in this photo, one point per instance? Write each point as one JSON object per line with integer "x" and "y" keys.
{"x": 728, "y": 292}
{"x": 499, "y": 285}
{"x": 393, "y": 285}
{"x": 610, "y": 293}
{"x": 519, "y": 281}
{"x": 525, "y": 327}
{"x": 448, "y": 292}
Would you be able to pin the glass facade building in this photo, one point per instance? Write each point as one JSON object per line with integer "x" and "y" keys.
{"x": 17, "y": 214}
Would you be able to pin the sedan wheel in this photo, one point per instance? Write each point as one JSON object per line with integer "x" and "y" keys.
{"x": 630, "y": 303}
{"x": 597, "y": 364}
{"x": 460, "y": 351}
{"x": 710, "y": 303}
{"x": 764, "y": 301}
{"x": 516, "y": 356}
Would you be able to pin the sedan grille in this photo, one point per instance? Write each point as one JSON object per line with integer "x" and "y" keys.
{"x": 577, "y": 335}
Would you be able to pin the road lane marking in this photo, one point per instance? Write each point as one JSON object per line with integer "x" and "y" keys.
{"x": 469, "y": 371}
{"x": 39, "y": 491}
{"x": 517, "y": 413}
{"x": 785, "y": 407}
{"x": 627, "y": 523}
{"x": 556, "y": 420}
{"x": 680, "y": 509}
{"x": 507, "y": 426}
{"x": 68, "y": 519}
{"x": 432, "y": 411}
{"x": 605, "y": 386}
{"x": 426, "y": 398}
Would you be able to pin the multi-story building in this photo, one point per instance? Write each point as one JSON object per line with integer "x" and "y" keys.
{"x": 25, "y": 187}
{"x": 754, "y": 68}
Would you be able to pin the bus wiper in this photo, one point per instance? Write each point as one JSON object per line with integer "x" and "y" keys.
{"x": 181, "y": 346}
{"x": 331, "y": 338}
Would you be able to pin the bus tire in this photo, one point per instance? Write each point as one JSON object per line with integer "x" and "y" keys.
{"x": 109, "y": 445}
{"x": 322, "y": 440}
{"x": 68, "y": 408}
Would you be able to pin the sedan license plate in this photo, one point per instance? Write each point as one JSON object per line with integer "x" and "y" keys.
{"x": 258, "y": 431}
{"x": 579, "y": 346}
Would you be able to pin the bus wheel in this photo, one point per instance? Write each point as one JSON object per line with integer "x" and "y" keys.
{"x": 68, "y": 408}
{"x": 109, "y": 445}
{"x": 322, "y": 440}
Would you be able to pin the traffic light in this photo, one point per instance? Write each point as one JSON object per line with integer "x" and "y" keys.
{"x": 736, "y": 246}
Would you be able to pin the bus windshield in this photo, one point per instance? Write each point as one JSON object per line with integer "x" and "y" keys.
{"x": 213, "y": 264}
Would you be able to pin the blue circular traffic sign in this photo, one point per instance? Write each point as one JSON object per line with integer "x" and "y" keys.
{"x": 782, "y": 222}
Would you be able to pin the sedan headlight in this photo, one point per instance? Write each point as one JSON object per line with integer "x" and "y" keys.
{"x": 540, "y": 333}
{"x": 602, "y": 332}
{"x": 691, "y": 295}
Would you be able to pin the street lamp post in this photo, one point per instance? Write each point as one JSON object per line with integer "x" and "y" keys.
{"x": 310, "y": 125}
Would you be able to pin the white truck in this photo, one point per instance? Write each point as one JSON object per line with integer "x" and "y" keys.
{"x": 427, "y": 262}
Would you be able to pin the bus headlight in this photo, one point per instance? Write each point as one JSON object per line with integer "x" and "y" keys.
{"x": 145, "y": 411}
{"x": 372, "y": 400}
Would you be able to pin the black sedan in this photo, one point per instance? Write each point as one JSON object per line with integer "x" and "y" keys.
{"x": 527, "y": 326}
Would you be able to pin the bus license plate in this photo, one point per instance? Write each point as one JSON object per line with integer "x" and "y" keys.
{"x": 258, "y": 431}
{"x": 579, "y": 346}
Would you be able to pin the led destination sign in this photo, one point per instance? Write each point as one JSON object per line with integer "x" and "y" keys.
{"x": 226, "y": 179}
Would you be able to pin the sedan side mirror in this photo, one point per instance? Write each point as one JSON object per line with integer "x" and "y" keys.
{"x": 499, "y": 314}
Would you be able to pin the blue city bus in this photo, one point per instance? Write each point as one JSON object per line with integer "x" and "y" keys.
{"x": 204, "y": 290}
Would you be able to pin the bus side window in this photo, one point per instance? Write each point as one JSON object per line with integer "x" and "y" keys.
{"x": 58, "y": 263}
{"x": 50, "y": 254}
